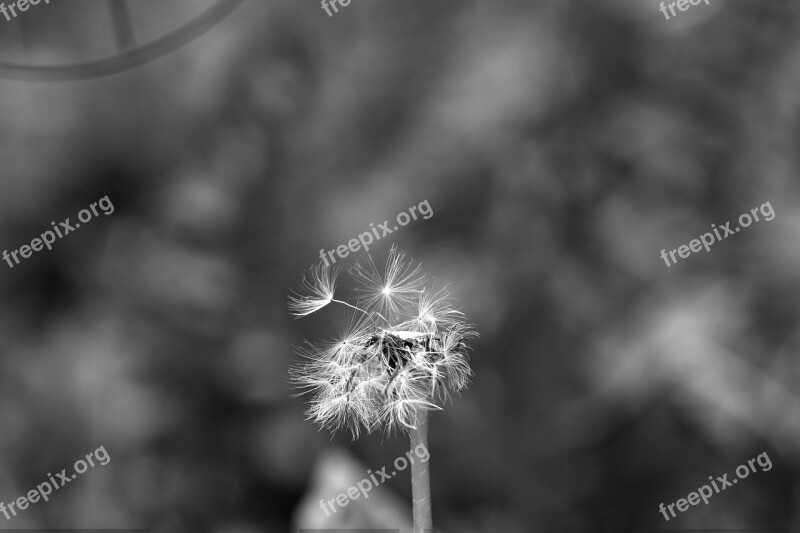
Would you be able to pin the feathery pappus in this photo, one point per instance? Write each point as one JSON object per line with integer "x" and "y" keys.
{"x": 402, "y": 350}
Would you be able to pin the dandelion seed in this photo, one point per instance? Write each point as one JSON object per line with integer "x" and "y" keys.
{"x": 396, "y": 287}
{"x": 319, "y": 291}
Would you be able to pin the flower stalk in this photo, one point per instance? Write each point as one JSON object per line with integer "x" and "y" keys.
{"x": 402, "y": 351}
{"x": 421, "y": 479}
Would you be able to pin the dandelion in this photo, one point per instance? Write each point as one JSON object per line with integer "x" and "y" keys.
{"x": 400, "y": 354}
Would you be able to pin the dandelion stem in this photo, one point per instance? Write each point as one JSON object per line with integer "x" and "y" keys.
{"x": 420, "y": 477}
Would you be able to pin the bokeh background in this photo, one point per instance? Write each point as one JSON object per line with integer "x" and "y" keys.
{"x": 561, "y": 145}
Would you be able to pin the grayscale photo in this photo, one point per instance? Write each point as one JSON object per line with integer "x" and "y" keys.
{"x": 382, "y": 266}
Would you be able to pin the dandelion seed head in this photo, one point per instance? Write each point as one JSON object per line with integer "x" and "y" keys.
{"x": 401, "y": 350}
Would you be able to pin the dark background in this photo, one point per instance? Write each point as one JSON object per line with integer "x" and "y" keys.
{"x": 561, "y": 145}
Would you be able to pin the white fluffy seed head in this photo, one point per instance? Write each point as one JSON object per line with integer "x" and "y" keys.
{"x": 402, "y": 350}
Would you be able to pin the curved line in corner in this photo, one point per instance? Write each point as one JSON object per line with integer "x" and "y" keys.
{"x": 126, "y": 60}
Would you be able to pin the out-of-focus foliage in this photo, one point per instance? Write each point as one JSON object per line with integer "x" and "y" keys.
{"x": 561, "y": 144}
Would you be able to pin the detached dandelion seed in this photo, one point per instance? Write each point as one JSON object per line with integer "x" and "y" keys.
{"x": 402, "y": 352}
{"x": 317, "y": 292}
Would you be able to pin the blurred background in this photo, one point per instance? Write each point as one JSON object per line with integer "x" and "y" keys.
{"x": 561, "y": 145}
